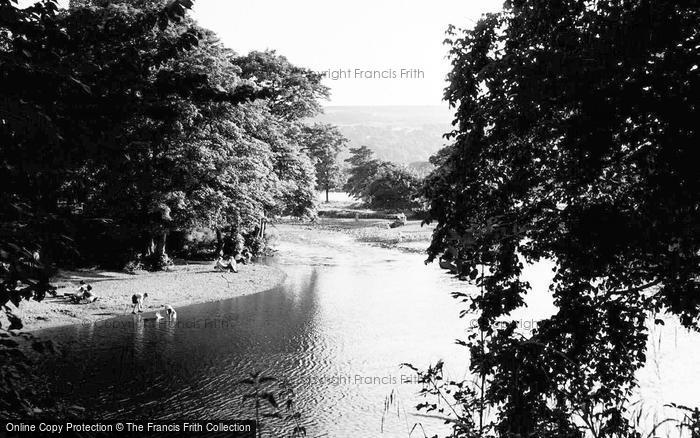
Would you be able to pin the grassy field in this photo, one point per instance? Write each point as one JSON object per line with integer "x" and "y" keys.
{"x": 411, "y": 237}
{"x": 346, "y": 215}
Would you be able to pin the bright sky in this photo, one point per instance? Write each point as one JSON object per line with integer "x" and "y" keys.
{"x": 375, "y": 35}
{"x": 360, "y": 34}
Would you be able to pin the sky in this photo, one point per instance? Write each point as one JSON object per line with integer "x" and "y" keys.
{"x": 359, "y": 41}
{"x": 384, "y": 52}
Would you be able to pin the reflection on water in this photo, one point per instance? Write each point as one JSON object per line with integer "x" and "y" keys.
{"x": 337, "y": 329}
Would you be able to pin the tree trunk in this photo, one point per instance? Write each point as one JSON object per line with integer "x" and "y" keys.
{"x": 150, "y": 247}
{"x": 327, "y": 189}
{"x": 261, "y": 232}
{"x": 156, "y": 256}
{"x": 219, "y": 241}
{"x": 160, "y": 245}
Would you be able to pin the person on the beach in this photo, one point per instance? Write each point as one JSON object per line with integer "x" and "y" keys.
{"x": 84, "y": 292}
{"x": 231, "y": 262}
{"x": 220, "y": 265}
{"x": 228, "y": 264}
{"x": 246, "y": 256}
{"x": 88, "y": 296}
{"x": 137, "y": 300}
{"x": 172, "y": 314}
{"x": 84, "y": 287}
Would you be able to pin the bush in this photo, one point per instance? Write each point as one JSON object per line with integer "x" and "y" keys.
{"x": 393, "y": 188}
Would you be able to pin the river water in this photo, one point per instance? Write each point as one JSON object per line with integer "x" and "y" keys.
{"x": 336, "y": 331}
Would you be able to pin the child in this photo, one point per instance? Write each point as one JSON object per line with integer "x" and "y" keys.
{"x": 84, "y": 292}
{"x": 172, "y": 314}
{"x": 137, "y": 300}
{"x": 226, "y": 265}
{"x": 88, "y": 296}
{"x": 246, "y": 256}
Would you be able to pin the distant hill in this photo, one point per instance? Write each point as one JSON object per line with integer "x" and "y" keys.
{"x": 402, "y": 134}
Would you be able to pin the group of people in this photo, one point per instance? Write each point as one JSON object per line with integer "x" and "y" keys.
{"x": 230, "y": 263}
{"x": 83, "y": 295}
{"x": 137, "y": 300}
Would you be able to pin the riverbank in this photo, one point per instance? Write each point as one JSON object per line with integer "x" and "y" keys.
{"x": 183, "y": 284}
{"x": 412, "y": 237}
{"x": 345, "y": 214}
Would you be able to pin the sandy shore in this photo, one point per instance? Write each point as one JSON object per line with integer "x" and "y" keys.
{"x": 194, "y": 282}
{"x": 197, "y": 282}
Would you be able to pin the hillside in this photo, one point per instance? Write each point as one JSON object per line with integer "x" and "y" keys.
{"x": 402, "y": 134}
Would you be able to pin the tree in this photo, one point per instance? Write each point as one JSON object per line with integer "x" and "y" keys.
{"x": 393, "y": 187}
{"x": 363, "y": 169}
{"x": 151, "y": 128}
{"x": 294, "y": 94}
{"x": 381, "y": 184}
{"x": 575, "y": 142}
{"x": 323, "y": 143}
{"x": 47, "y": 128}
{"x": 55, "y": 108}
{"x": 178, "y": 84}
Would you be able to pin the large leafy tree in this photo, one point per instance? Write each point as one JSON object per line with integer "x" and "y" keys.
{"x": 364, "y": 167}
{"x": 54, "y": 112}
{"x": 294, "y": 94}
{"x": 149, "y": 177}
{"x": 173, "y": 168}
{"x": 381, "y": 184}
{"x": 324, "y": 143}
{"x": 575, "y": 142}
{"x": 143, "y": 122}
{"x": 393, "y": 187}
{"x": 62, "y": 114}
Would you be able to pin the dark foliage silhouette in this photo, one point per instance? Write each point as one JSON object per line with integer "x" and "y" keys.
{"x": 575, "y": 142}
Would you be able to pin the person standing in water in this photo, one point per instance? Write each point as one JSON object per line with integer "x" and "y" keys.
{"x": 137, "y": 300}
{"x": 172, "y": 314}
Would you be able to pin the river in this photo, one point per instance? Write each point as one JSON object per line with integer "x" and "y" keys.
{"x": 336, "y": 331}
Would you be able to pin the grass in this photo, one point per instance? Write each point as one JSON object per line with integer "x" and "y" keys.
{"x": 346, "y": 214}
{"x": 411, "y": 237}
